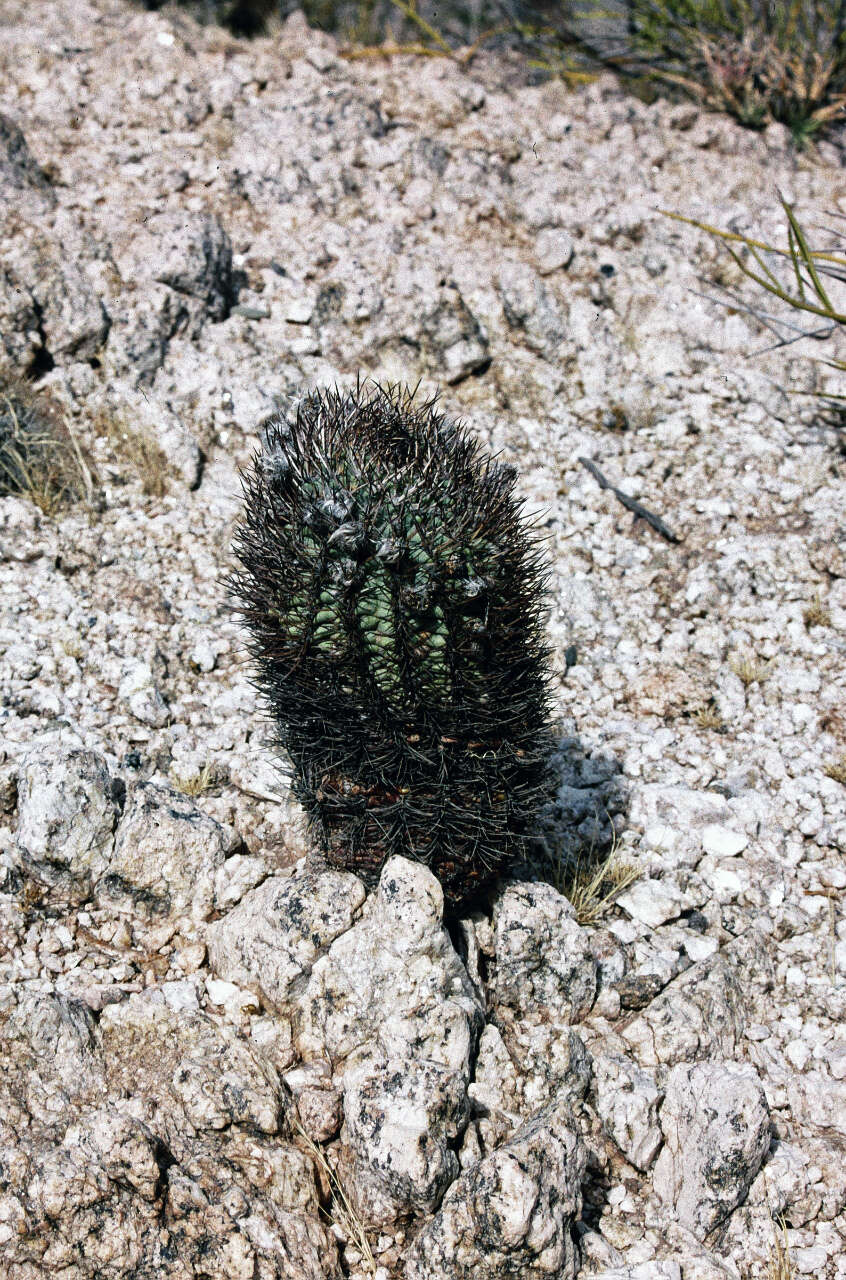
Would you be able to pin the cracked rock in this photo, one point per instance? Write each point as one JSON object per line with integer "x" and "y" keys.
{"x": 383, "y": 997}
{"x": 495, "y": 1097}
{"x": 511, "y": 1213}
{"x": 697, "y": 1015}
{"x": 191, "y": 253}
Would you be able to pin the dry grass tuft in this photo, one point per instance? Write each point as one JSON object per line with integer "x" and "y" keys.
{"x": 139, "y": 451}
{"x": 194, "y": 784}
{"x": 780, "y": 1263}
{"x": 759, "y": 60}
{"x": 749, "y": 669}
{"x": 817, "y": 614}
{"x": 709, "y": 718}
{"x": 40, "y": 457}
{"x": 591, "y": 883}
{"x": 837, "y": 770}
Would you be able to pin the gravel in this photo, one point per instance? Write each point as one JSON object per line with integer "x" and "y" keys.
{"x": 214, "y": 1050}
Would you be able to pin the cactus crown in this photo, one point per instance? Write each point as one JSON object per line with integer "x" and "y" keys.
{"x": 394, "y": 595}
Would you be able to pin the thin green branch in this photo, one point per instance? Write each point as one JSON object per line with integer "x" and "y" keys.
{"x": 800, "y": 255}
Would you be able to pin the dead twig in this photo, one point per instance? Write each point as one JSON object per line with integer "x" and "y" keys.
{"x": 631, "y": 504}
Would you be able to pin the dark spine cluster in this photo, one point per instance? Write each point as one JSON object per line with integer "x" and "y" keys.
{"x": 393, "y": 593}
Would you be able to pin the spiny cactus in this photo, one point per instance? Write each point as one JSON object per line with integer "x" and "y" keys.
{"x": 393, "y": 593}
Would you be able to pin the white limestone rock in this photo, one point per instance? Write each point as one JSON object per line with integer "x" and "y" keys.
{"x": 141, "y": 695}
{"x": 166, "y": 855}
{"x": 627, "y": 1098}
{"x": 68, "y": 807}
{"x": 511, "y": 1213}
{"x": 716, "y": 1126}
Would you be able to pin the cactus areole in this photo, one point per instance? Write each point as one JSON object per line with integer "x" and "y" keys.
{"x": 394, "y": 597}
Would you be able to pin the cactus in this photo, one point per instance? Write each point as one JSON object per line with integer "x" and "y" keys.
{"x": 393, "y": 593}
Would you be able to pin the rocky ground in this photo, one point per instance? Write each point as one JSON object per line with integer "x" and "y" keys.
{"x": 221, "y": 1059}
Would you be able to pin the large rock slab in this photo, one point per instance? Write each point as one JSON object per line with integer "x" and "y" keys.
{"x": 380, "y": 993}
{"x": 393, "y": 982}
{"x": 189, "y": 1066}
{"x": 72, "y": 322}
{"x": 51, "y": 1059}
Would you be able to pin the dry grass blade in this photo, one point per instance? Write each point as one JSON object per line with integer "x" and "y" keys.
{"x": 780, "y": 1262}
{"x": 409, "y": 10}
{"x": 808, "y": 293}
{"x": 84, "y": 471}
{"x": 438, "y": 48}
{"x": 390, "y": 50}
{"x": 341, "y": 1209}
{"x": 799, "y": 250}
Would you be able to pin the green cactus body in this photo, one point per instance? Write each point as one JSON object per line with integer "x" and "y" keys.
{"x": 394, "y": 598}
